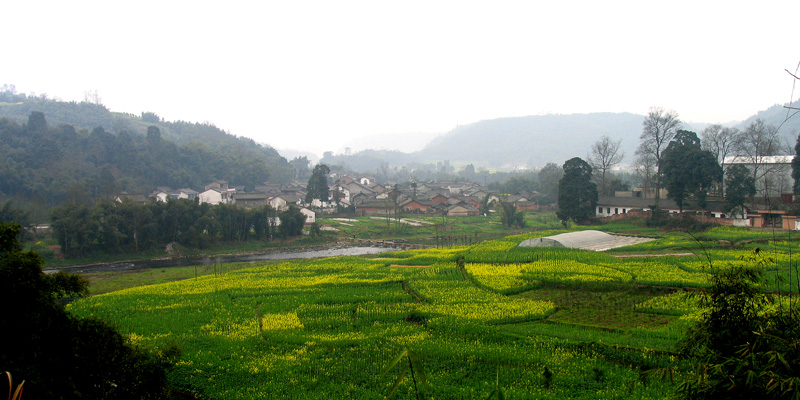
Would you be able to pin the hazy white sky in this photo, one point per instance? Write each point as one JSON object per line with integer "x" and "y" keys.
{"x": 314, "y": 75}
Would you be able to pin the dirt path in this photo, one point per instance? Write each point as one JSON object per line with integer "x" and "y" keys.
{"x": 653, "y": 255}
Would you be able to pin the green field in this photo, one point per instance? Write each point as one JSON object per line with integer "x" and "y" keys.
{"x": 325, "y": 329}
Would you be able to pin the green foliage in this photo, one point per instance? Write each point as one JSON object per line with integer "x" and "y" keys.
{"x": 688, "y": 169}
{"x": 292, "y": 222}
{"x": 510, "y": 217}
{"x": 56, "y": 354}
{"x": 114, "y": 227}
{"x": 739, "y": 186}
{"x": 577, "y": 194}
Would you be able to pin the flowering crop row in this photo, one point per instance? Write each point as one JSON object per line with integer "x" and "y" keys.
{"x": 678, "y": 303}
{"x": 449, "y": 294}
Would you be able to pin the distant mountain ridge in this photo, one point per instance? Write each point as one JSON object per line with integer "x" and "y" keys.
{"x": 532, "y": 141}
{"x": 777, "y": 116}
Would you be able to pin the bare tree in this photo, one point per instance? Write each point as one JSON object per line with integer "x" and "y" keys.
{"x": 549, "y": 176}
{"x": 92, "y": 97}
{"x": 720, "y": 141}
{"x": 645, "y": 168}
{"x": 659, "y": 128}
{"x": 755, "y": 145}
{"x": 605, "y": 155}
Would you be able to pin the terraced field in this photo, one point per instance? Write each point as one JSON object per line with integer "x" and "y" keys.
{"x": 553, "y": 323}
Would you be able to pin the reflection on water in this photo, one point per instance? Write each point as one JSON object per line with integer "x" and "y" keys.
{"x": 221, "y": 259}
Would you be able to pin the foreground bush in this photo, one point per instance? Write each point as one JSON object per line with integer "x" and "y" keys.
{"x": 741, "y": 350}
{"x": 56, "y": 354}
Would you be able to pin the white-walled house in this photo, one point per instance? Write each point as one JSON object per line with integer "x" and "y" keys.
{"x": 610, "y": 206}
{"x": 162, "y": 193}
{"x": 311, "y": 216}
{"x": 213, "y": 196}
{"x": 186, "y": 193}
{"x": 220, "y": 185}
{"x": 281, "y": 202}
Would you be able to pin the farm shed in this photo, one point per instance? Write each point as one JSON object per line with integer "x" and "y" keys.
{"x": 587, "y": 240}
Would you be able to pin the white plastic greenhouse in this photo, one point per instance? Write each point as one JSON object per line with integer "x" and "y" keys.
{"x": 587, "y": 240}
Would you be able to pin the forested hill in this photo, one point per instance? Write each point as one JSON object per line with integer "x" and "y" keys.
{"x": 84, "y": 115}
{"x": 52, "y": 152}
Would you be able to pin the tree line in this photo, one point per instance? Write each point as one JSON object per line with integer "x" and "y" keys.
{"x": 755, "y": 144}
{"x": 115, "y": 227}
{"x": 677, "y": 160}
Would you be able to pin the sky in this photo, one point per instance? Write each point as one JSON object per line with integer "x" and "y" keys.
{"x": 319, "y": 75}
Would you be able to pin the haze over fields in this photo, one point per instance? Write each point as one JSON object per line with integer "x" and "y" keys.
{"x": 318, "y": 75}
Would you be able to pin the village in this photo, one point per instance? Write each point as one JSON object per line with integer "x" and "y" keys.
{"x": 362, "y": 195}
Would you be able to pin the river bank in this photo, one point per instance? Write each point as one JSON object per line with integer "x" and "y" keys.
{"x": 269, "y": 254}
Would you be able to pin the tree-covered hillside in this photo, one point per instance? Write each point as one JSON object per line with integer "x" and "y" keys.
{"x": 49, "y": 161}
{"x": 87, "y": 115}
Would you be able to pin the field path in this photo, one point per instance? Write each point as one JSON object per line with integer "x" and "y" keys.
{"x": 653, "y": 255}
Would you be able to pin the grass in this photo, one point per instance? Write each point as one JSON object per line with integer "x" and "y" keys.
{"x": 111, "y": 281}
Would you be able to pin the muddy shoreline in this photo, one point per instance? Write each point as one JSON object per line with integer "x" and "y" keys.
{"x": 270, "y": 254}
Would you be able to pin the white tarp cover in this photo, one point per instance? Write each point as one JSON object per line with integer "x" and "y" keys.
{"x": 588, "y": 240}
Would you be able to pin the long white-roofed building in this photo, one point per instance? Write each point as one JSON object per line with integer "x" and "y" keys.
{"x": 772, "y": 174}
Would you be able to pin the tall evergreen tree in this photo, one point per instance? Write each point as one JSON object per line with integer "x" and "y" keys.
{"x": 318, "y": 184}
{"x": 577, "y": 194}
{"x": 796, "y": 167}
{"x": 688, "y": 169}
{"x": 739, "y": 186}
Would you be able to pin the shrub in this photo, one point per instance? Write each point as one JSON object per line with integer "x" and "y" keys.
{"x": 740, "y": 349}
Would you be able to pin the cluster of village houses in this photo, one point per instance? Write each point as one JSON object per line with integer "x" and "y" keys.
{"x": 366, "y": 197}
{"x": 454, "y": 199}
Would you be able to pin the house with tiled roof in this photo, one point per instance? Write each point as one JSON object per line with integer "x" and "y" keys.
{"x": 250, "y": 200}
{"x": 281, "y": 202}
{"x": 462, "y": 210}
{"x": 417, "y": 206}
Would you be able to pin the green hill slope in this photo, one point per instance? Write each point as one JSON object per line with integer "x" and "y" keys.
{"x": 53, "y": 152}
